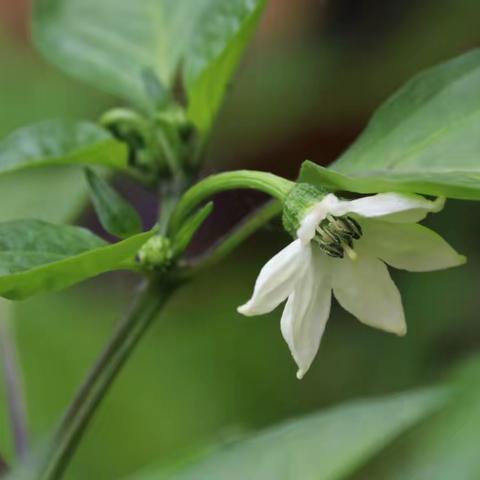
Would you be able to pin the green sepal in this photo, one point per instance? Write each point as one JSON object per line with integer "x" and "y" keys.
{"x": 298, "y": 202}
{"x": 190, "y": 227}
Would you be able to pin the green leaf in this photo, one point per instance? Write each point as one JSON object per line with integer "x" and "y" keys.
{"x": 461, "y": 186}
{"x": 215, "y": 56}
{"x": 116, "y": 215}
{"x": 20, "y": 194}
{"x": 443, "y": 448}
{"x": 37, "y": 256}
{"x": 58, "y": 142}
{"x": 112, "y": 43}
{"x": 424, "y": 139}
{"x": 328, "y": 446}
{"x": 154, "y": 88}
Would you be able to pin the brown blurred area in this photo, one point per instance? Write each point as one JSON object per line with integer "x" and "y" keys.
{"x": 14, "y": 17}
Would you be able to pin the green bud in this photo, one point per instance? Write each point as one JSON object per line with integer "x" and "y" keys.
{"x": 134, "y": 129}
{"x": 125, "y": 124}
{"x": 300, "y": 199}
{"x": 156, "y": 254}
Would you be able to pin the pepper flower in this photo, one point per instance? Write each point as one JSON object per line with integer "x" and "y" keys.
{"x": 343, "y": 246}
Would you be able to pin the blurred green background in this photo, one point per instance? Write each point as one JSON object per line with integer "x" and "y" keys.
{"x": 205, "y": 375}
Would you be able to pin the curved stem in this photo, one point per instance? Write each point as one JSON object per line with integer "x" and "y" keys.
{"x": 273, "y": 185}
{"x": 232, "y": 239}
{"x": 93, "y": 390}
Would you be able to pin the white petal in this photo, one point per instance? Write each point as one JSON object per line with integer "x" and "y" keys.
{"x": 409, "y": 246}
{"x": 364, "y": 288}
{"x": 315, "y": 215}
{"x": 277, "y": 279}
{"x": 306, "y": 313}
{"x": 391, "y": 207}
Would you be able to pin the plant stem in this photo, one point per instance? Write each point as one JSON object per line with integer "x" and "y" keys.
{"x": 224, "y": 246}
{"x": 88, "y": 398}
{"x": 273, "y": 185}
{"x": 14, "y": 390}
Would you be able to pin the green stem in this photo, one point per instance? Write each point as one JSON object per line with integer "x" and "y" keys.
{"x": 227, "y": 244}
{"x": 273, "y": 185}
{"x": 169, "y": 154}
{"x": 88, "y": 398}
{"x": 169, "y": 193}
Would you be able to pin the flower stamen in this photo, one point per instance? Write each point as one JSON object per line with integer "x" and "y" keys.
{"x": 352, "y": 254}
{"x": 335, "y": 236}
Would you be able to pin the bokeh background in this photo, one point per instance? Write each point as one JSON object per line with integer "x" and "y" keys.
{"x": 203, "y": 375}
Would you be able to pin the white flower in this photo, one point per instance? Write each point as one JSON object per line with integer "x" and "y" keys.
{"x": 343, "y": 246}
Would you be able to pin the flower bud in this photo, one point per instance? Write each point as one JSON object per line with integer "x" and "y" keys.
{"x": 156, "y": 254}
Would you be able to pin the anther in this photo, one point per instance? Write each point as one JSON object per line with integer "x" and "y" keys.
{"x": 335, "y": 236}
{"x": 334, "y": 250}
{"x": 354, "y": 227}
{"x": 327, "y": 235}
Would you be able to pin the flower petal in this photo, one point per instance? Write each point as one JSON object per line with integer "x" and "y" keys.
{"x": 364, "y": 288}
{"x": 391, "y": 207}
{"x": 306, "y": 312}
{"x": 409, "y": 246}
{"x": 315, "y": 215}
{"x": 277, "y": 279}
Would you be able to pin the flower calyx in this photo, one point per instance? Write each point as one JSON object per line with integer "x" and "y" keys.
{"x": 298, "y": 202}
{"x": 334, "y": 235}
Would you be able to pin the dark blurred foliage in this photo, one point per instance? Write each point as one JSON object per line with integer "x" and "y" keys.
{"x": 204, "y": 374}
